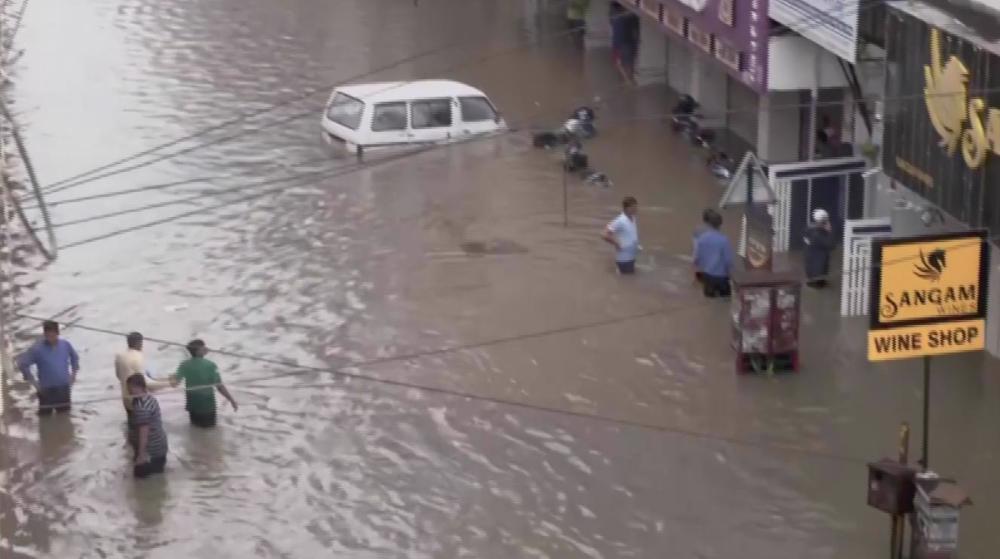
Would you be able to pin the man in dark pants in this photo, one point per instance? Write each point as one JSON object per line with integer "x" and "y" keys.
{"x": 201, "y": 379}
{"x": 146, "y": 434}
{"x": 57, "y": 364}
{"x": 713, "y": 257}
{"x": 624, "y": 40}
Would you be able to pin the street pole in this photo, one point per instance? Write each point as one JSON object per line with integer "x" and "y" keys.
{"x": 746, "y": 210}
{"x": 898, "y": 527}
{"x": 927, "y": 411}
{"x": 565, "y": 199}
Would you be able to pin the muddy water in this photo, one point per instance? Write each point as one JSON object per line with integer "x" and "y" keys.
{"x": 450, "y": 270}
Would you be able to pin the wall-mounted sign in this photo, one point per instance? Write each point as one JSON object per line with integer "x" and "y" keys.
{"x": 928, "y": 295}
{"x": 832, "y": 24}
{"x": 941, "y": 126}
{"x": 955, "y": 116}
{"x": 742, "y": 25}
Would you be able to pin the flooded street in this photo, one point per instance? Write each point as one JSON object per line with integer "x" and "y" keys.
{"x": 428, "y": 363}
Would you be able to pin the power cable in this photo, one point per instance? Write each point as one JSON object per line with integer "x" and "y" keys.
{"x": 84, "y": 178}
{"x": 333, "y": 173}
{"x": 344, "y": 372}
{"x": 341, "y": 171}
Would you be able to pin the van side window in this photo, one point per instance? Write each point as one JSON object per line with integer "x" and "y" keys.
{"x": 430, "y": 113}
{"x": 389, "y": 116}
{"x": 476, "y": 109}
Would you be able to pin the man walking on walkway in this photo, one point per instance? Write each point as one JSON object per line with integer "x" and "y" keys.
{"x": 201, "y": 378}
{"x": 623, "y": 234}
{"x": 145, "y": 430}
{"x": 132, "y": 362}
{"x": 57, "y": 364}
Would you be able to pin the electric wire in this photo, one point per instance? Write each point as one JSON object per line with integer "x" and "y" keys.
{"x": 85, "y": 177}
{"x": 335, "y": 172}
{"x": 347, "y": 371}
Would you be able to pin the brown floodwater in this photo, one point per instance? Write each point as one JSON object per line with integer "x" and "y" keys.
{"x": 507, "y": 395}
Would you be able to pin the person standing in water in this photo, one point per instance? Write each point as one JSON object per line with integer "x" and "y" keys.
{"x": 145, "y": 430}
{"x": 201, "y": 379}
{"x": 623, "y": 234}
{"x": 713, "y": 257}
{"x": 624, "y": 39}
{"x": 57, "y": 363}
{"x": 819, "y": 244}
{"x": 132, "y": 362}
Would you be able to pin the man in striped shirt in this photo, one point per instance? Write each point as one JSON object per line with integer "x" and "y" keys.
{"x": 146, "y": 434}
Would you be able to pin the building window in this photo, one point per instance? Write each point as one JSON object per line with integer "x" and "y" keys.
{"x": 727, "y": 11}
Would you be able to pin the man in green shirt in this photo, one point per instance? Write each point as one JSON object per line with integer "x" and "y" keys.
{"x": 201, "y": 379}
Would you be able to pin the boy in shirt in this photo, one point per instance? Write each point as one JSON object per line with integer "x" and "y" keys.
{"x": 145, "y": 430}
{"x": 623, "y": 234}
{"x": 201, "y": 379}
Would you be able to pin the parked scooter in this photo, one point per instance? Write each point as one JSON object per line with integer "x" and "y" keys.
{"x": 721, "y": 166}
{"x": 576, "y": 162}
{"x": 687, "y": 122}
{"x": 580, "y": 126}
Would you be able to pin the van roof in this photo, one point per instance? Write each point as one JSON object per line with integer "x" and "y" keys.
{"x": 419, "y": 89}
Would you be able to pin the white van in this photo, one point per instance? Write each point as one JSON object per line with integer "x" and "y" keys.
{"x": 364, "y": 116}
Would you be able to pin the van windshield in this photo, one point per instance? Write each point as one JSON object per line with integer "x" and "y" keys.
{"x": 476, "y": 109}
{"x": 346, "y": 111}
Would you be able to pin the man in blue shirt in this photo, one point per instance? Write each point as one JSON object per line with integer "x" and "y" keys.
{"x": 713, "y": 257}
{"x": 623, "y": 234}
{"x": 57, "y": 364}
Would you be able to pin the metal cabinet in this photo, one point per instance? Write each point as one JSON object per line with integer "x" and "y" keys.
{"x": 765, "y": 320}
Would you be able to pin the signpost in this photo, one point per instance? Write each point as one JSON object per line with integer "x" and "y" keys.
{"x": 928, "y": 298}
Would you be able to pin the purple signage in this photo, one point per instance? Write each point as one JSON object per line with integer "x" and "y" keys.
{"x": 734, "y": 32}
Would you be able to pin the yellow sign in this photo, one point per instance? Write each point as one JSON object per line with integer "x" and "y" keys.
{"x": 929, "y": 279}
{"x": 926, "y": 339}
{"x": 928, "y": 295}
{"x": 957, "y": 118}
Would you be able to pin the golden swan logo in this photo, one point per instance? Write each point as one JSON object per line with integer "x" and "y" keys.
{"x": 945, "y": 94}
{"x": 956, "y": 117}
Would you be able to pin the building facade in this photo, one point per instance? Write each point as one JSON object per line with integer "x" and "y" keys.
{"x": 941, "y": 140}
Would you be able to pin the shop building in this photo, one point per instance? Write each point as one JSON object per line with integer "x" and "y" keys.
{"x": 941, "y": 139}
{"x": 752, "y": 76}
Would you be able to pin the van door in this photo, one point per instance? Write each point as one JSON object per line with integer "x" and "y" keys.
{"x": 431, "y": 120}
{"x": 389, "y": 124}
{"x": 477, "y": 115}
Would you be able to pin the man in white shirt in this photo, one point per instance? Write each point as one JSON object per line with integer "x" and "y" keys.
{"x": 131, "y": 362}
{"x": 623, "y": 234}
